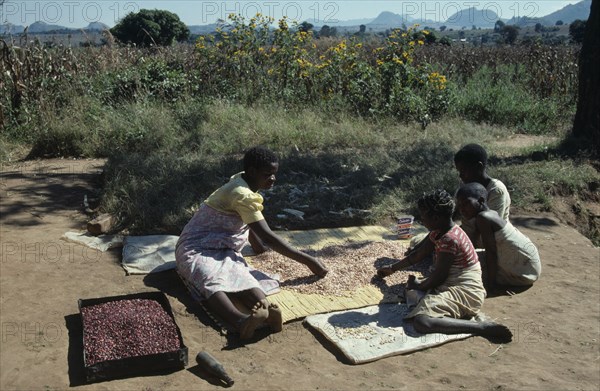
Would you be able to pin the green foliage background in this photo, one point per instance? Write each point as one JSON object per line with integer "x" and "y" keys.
{"x": 150, "y": 27}
{"x": 364, "y": 125}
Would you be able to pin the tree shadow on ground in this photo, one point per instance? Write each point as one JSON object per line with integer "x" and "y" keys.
{"x": 334, "y": 188}
{"x": 569, "y": 148}
{"x": 535, "y": 223}
{"x": 45, "y": 189}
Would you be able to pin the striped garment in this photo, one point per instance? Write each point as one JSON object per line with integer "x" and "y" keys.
{"x": 457, "y": 243}
{"x": 461, "y": 295}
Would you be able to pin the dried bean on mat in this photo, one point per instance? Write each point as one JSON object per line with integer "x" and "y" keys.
{"x": 351, "y": 266}
{"x": 127, "y": 328}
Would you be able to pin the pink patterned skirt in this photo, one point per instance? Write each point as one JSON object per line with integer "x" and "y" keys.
{"x": 209, "y": 258}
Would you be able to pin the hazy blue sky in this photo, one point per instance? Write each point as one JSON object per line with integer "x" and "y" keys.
{"x": 74, "y": 13}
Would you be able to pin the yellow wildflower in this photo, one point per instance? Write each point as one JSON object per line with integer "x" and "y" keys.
{"x": 283, "y": 24}
{"x": 437, "y": 80}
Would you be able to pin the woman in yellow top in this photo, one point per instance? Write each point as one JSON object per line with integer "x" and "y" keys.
{"x": 208, "y": 251}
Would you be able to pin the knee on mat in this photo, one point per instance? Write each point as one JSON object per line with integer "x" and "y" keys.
{"x": 422, "y": 324}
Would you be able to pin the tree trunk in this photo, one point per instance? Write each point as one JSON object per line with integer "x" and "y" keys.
{"x": 587, "y": 118}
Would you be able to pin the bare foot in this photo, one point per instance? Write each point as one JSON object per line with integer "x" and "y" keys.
{"x": 496, "y": 332}
{"x": 275, "y": 319}
{"x": 256, "y": 318}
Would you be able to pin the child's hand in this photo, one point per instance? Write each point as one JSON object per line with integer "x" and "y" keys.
{"x": 385, "y": 271}
{"x": 412, "y": 283}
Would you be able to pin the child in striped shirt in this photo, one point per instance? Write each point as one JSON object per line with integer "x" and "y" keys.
{"x": 454, "y": 292}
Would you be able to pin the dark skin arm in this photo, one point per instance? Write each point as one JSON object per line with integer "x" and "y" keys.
{"x": 416, "y": 248}
{"x": 257, "y": 245}
{"x": 439, "y": 275}
{"x": 488, "y": 223}
{"x": 263, "y": 232}
{"x": 417, "y": 255}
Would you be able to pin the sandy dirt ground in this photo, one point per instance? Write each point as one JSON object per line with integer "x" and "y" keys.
{"x": 556, "y": 323}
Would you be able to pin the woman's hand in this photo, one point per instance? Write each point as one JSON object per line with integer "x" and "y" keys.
{"x": 385, "y": 271}
{"x": 315, "y": 265}
{"x": 264, "y": 233}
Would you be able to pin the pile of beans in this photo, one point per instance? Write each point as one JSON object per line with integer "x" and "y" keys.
{"x": 351, "y": 266}
{"x": 127, "y": 328}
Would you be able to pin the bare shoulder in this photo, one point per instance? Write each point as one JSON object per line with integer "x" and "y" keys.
{"x": 491, "y": 219}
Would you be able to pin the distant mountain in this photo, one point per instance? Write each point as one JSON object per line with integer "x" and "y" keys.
{"x": 526, "y": 21}
{"x": 567, "y": 15}
{"x": 8, "y": 28}
{"x": 473, "y": 17}
{"x": 202, "y": 29}
{"x": 42, "y": 27}
{"x": 388, "y": 19}
{"x": 570, "y": 13}
{"x": 339, "y": 23}
{"x": 96, "y": 26}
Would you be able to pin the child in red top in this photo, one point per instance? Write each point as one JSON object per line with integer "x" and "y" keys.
{"x": 454, "y": 291}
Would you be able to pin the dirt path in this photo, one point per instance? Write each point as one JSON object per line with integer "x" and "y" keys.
{"x": 556, "y": 323}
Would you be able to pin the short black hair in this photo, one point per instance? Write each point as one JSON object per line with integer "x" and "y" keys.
{"x": 471, "y": 154}
{"x": 473, "y": 189}
{"x": 259, "y": 157}
{"x": 438, "y": 203}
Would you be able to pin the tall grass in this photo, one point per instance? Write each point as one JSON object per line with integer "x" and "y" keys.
{"x": 492, "y": 95}
{"x": 342, "y": 171}
{"x": 532, "y": 89}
